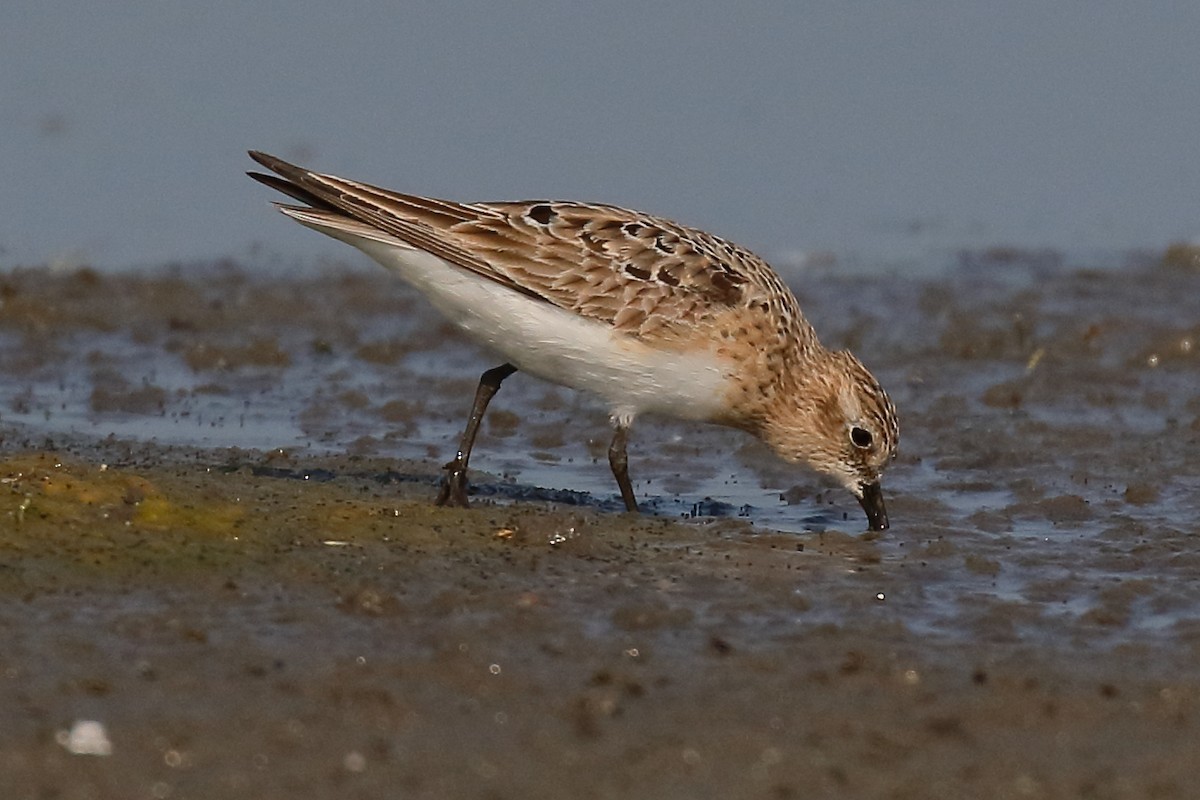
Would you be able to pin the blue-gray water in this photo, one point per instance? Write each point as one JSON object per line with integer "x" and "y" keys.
{"x": 879, "y": 133}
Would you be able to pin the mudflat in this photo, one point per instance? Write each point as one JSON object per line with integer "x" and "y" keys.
{"x": 217, "y": 544}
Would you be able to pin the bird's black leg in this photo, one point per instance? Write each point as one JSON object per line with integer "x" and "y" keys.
{"x": 454, "y": 485}
{"x": 619, "y": 461}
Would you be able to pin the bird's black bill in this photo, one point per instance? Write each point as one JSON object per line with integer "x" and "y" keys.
{"x": 872, "y": 503}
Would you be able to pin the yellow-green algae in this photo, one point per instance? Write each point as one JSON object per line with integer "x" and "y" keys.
{"x": 66, "y": 516}
{"x": 70, "y": 519}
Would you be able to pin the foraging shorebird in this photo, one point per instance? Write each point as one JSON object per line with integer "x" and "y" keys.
{"x": 649, "y": 315}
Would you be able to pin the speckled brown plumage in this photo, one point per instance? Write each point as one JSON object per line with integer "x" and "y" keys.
{"x": 653, "y": 288}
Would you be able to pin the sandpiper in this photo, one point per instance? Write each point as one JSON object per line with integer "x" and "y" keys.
{"x": 647, "y": 314}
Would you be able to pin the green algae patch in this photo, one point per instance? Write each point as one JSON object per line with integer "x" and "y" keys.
{"x": 158, "y": 512}
{"x": 47, "y": 493}
{"x": 66, "y": 520}
{"x": 71, "y": 522}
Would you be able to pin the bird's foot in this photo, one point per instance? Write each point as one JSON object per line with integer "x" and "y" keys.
{"x": 453, "y": 492}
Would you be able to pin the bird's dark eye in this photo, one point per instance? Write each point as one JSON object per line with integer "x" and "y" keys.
{"x": 861, "y": 437}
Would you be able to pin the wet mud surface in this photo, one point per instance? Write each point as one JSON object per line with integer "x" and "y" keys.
{"x": 216, "y": 542}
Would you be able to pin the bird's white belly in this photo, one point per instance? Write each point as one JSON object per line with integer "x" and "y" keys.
{"x": 559, "y": 345}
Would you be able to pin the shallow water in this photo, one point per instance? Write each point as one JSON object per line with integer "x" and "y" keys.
{"x": 1043, "y": 507}
{"x": 1048, "y": 417}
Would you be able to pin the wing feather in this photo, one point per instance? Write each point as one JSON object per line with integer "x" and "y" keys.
{"x": 644, "y": 275}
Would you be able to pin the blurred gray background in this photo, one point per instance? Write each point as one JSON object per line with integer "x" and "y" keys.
{"x": 884, "y": 134}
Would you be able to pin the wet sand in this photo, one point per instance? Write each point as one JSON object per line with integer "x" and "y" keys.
{"x": 218, "y": 544}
